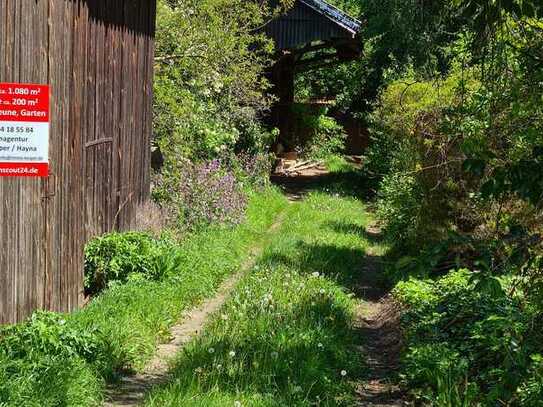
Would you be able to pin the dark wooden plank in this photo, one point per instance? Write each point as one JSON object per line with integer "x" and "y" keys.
{"x": 97, "y": 57}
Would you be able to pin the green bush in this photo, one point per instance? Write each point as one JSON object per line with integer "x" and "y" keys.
{"x": 209, "y": 96}
{"x": 47, "y": 362}
{"x": 400, "y": 208}
{"x": 405, "y": 154}
{"x": 467, "y": 344}
{"x": 117, "y": 256}
{"x": 327, "y": 139}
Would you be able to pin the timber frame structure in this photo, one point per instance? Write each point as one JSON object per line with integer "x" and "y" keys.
{"x": 310, "y": 35}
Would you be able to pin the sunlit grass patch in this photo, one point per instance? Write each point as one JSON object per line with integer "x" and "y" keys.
{"x": 283, "y": 339}
{"x": 286, "y": 336}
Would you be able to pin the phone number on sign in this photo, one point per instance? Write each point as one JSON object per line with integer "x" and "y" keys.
{"x": 16, "y": 129}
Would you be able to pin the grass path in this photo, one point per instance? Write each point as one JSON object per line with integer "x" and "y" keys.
{"x": 303, "y": 327}
{"x": 131, "y": 390}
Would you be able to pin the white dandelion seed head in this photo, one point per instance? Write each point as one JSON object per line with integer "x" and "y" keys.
{"x": 322, "y": 291}
{"x": 343, "y": 373}
{"x": 320, "y": 345}
{"x": 237, "y": 403}
{"x": 211, "y": 350}
{"x": 315, "y": 274}
{"x": 232, "y": 353}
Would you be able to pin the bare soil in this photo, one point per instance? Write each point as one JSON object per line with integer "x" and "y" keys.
{"x": 378, "y": 324}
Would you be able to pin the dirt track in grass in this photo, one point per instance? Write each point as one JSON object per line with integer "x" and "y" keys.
{"x": 376, "y": 325}
{"x": 378, "y": 317}
{"x": 131, "y": 390}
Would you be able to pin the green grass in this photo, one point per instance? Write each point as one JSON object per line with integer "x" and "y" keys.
{"x": 286, "y": 336}
{"x": 45, "y": 362}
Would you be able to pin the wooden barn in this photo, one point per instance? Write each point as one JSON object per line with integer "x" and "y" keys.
{"x": 96, "y": 57}
{"x": 312, "y": 34}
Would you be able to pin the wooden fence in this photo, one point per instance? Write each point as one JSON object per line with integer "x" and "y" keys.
{"x": 97, "y": 57}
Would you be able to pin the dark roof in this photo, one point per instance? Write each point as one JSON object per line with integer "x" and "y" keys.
{"x": 309, "y": 21}
{"x": 335, "y": 14}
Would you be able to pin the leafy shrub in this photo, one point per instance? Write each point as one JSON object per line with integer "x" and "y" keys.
{"x": 328, "y": 137}
{"x": 531, "y": 391}
{"x": 117, "y": 256}
{"x": 47, "y": 362}
{"x": 436, "y": 366}
{"x": 255, "y": 169}
{"x": 400, "y": 208}
{"x": 209, "y": 97}
{"x": 417, "y": 161}
{"x": 487, "y": 342}
{"x": 46, "y": 333}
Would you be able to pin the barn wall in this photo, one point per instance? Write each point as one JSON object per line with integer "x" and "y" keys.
{"x": 97, "y": 57}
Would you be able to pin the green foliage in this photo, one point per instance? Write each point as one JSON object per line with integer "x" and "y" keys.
{"x": 209, "y": 88}
{"x": 119, "y": 256}
{"x": 468, "y": 344}
{"x": 417, "y": 160}
{"x": 327, "y": 136}
{"x": 46, "y": 362}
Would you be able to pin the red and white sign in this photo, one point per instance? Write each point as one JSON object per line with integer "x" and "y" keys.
{"x": 24, "y": 130}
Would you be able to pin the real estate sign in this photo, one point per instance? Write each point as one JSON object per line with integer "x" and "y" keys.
{"x": 24, "y": 130}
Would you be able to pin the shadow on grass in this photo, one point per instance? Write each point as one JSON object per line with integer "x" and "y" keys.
{"x": 351, "y": 268}
{"x": 354, "y": 183}
{"x": 372, "y": 237}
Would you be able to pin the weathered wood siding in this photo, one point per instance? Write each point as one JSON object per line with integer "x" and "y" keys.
{"x": 97, "y": 57}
